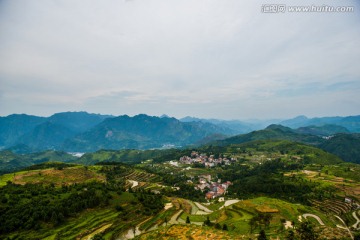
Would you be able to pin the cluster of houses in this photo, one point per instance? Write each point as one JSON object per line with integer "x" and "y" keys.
{"x": 207, "y": 161}
{"x": 213, "y": 189}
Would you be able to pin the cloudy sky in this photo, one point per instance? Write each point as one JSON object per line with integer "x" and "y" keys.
{"x": 205, "y": 58}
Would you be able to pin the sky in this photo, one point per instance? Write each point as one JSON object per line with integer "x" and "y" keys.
{"x": 225, "y": 59}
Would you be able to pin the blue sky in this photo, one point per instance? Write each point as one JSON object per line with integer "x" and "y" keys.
{"x": 206, "y": 58}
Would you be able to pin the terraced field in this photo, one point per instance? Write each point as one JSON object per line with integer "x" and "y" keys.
{"x": 335, "y": 206}
{"x": 143, "y": 179}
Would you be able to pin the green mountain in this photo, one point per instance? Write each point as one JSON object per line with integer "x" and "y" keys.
{"x": 272, "y": 132}
{"x": 47, "y": 135}
{"x": 346, "y": 146}
{"x": 14, "y": 126}
{"x": 122, "y": 156}
{"x": 322, "y": 131}
{"x": 24, "y": 133}
{"x": 77, "y": 121}
{"x": 310, "y": 154}
{"x": 10, "y": 161}
{"x": 140, "y": 132}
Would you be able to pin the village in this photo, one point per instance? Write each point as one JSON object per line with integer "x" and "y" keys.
{"x": 213, "y": 189}
{"x": 203, "y": 159}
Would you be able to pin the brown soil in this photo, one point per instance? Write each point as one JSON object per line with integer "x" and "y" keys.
{"x": 186, "y": 232}
{"x": 58, "y": 177}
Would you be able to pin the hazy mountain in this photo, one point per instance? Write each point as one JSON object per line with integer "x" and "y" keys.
{"x": 235, "y": 126}
{"x": 81, "y": 131}
{"x": 352, "y": 123}
{"x": 77, "y": 121}
{"x": 299, "y": 121}
{"x": 25, "y": 133}
{"x": 16, "y": 125}
{"x": 140, "y": 132}
{"x": 47, "y": 135}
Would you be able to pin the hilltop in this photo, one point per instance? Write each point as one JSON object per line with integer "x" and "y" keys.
{"x": 343, "y": 145}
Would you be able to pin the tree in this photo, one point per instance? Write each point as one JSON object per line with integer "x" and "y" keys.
{"x": 187, "y": 219}
{"x": 262, "y": 235}
{"x": 267, "y": 218}
{"x": 207, "y": 221}
{"x": 97, "y": 237}
{"x": 134, "y": 230}
{"x": 253, "y": 223}
{"x": 54, "y": 218}
{"x": 306, "y": 231}
{"x": 60, "y": 218}
{"x": 290, "y": 235}
{"x": 225, "y": 227}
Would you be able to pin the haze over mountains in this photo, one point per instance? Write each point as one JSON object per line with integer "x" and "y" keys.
{"x": 85, "y": 132}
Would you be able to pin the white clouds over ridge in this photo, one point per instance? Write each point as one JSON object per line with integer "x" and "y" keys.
{"x": 223, "y": 59}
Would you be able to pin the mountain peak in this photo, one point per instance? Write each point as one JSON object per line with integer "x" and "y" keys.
{"x": 301, "y": 117}
{"x": 279, "y": 127}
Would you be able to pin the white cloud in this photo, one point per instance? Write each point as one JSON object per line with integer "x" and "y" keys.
{"x": 206, "y": 58}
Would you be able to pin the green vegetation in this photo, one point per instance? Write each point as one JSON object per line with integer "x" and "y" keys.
{"x": 346, "y": 146}
{"x": 123, "y": 156}
{"x": 10, "y": 161}
{"x": 276, "y": 182}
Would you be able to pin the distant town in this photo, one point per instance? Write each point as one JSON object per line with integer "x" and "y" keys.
{"x": 203, "y": 159}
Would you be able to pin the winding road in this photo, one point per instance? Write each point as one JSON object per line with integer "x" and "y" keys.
{"x": 134, "y": 183}
{"x": 344, "y": 227}
{"x": 313, "y": 216}
{"x": 229, "y": 202}
{"x": 356, "y": 225}
{"x": 203, "y": 208}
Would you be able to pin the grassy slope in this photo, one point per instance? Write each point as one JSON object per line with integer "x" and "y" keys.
{"x": 313, "y": 154}
{"x": 58, "y": 177}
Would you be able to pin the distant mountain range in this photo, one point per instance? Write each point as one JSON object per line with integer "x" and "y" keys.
{"x": 235, "y": 126}
{"x": 85, "y": 132}
{"x": 141, "y": 132}
{"x": 352, "y": 123}
{"x": 32, "y": 133}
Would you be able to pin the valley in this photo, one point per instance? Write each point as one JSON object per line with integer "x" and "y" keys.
{"x": 280, "y": 182}
{"x": 275, "y": 186}
{"x": 179, "y": 120}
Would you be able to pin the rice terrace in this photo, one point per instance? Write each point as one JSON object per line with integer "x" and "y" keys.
{"x": 179, "y": 120}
